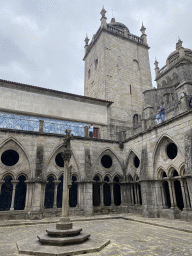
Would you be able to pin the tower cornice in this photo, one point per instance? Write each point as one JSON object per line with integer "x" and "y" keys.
{"x": 118, "y": 33}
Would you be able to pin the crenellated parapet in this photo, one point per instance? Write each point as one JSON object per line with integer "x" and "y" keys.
{"x": 117, "y": 29}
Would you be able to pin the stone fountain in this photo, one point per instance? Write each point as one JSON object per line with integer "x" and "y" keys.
{"x": 63, "y": 239}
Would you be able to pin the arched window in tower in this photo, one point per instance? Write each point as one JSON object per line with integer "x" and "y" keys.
{"x": 135, "y": 65}
{"x": 135, "y": 119}
{"x": 96, "y": 63}
{"x": 89, "y": 73}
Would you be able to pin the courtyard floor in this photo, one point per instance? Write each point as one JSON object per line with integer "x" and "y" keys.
{"x": 129, "y": 234}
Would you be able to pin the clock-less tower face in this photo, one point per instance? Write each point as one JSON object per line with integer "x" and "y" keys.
{"x": 117, "y": 69}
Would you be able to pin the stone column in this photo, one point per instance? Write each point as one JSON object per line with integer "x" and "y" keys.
{"x": 27, "y": 183}
{"x": 14, "y": 182}
{"x": 80, "y": 195}
{"x": 184, "y": 194}
{"x": 101, "y": 195}
{"x": 123, "y": 194}
{"x": 56, "y": 182}
{"x": 88, "y": 197}
{"x": 43, "y": 186}
{"x": 172, "y": 194}
{"x": 112, "y": 195}
{"x": 128, "y": 199}
{"x": 136, "y": 196}
{"x": 163, "y": 196}
{"x": 160, "y": 197}
{"x": 132, "y": 196}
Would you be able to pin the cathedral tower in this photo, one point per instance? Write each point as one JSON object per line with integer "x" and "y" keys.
{"x": 117, "y": 69}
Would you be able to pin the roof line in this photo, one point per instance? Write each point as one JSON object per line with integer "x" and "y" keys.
{"x": 56, "y": 91}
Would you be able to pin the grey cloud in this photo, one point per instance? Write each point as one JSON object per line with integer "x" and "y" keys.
{"x": 46, "y": 38}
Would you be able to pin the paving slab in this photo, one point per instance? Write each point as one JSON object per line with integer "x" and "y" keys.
{"x": 127, "y": 237}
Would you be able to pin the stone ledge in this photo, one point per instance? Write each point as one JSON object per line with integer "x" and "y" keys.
{"x": 34, "y": 247}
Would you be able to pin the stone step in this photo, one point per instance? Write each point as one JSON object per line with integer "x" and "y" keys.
{"x": 46, "y": 239}
{"x": 64, "y": 233}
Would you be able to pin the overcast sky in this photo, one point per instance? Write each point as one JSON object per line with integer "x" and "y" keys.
{"x": 42, "y": 42}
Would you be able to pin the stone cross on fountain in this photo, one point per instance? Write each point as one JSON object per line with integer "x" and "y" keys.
{"x": 66, "y": 155}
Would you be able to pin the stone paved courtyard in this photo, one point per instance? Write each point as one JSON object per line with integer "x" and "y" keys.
{"x": 127, "y": 237}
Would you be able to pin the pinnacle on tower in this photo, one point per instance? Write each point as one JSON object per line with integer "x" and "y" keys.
{"x": 103, "y": 11}
{"x": 112, "y": 20}
{"x": 179, "y": 44}
{"x": 156, "y": 67}
{"x": 103, "y": 18}
{"x": 143, "y": 36}
{"x": 86, "y": 43}
{"x": 86, "y": 40}
{"x": 142, "y": 29}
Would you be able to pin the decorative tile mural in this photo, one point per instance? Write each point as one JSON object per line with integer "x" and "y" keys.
{"x": 31, "y": 123}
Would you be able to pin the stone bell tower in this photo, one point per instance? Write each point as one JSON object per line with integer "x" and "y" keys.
{"x": 117, "y": 69}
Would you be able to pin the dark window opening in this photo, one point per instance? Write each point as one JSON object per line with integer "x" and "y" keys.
{"x": 59, "y": 160}
{"x": 96, "y": 191}
{"x": 164, "y": 175}
{"x": 106, "y": 161}
{"x": 60, "y": 193}
{"x": 167, "y": 194}
{"x": 130, "y": 88}
{"x": 136, "y": 162}
{"x": 117, "y": 191}
{"x": 73, "y": 193}
{"x": 6, "y": 194}
{"x": 172, "y": 150}
{"x": 95, "y": 132}
{"x": 107, "y": 192}
{"x": 175, "y": 173}
{"x": 135, "y": 119}
{"x": 178, "y": 194}
{"x": 96, "y": 63}
{"x": 9, "y": 157}
{"x": 20, "y": 194}
{"x": 49, "y": 193}
{"x": 89, "y": 73}
{"x": 140, "y": 196}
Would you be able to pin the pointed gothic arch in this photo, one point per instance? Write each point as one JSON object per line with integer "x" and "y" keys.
{"x": 51, "y": 166}
{"x": 163, "y": 157}
{"x": 19, "y": 144}
{"x": 102, "y": 153}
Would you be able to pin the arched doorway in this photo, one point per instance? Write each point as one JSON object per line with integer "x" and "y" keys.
{"x": 106, "y": 192}
{"x": 49, "y": 193}
{"x": 116, "y": 191}
{"x": 20, "y": 194}
{"x": 60, "y": 192}
{"x": 6, "y": 194}
{"x": 96, "y": 191}
{"x": 73, "y": 193}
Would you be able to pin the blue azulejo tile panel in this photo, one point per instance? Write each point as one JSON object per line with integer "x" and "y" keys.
{"x": 31, "y": 123}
